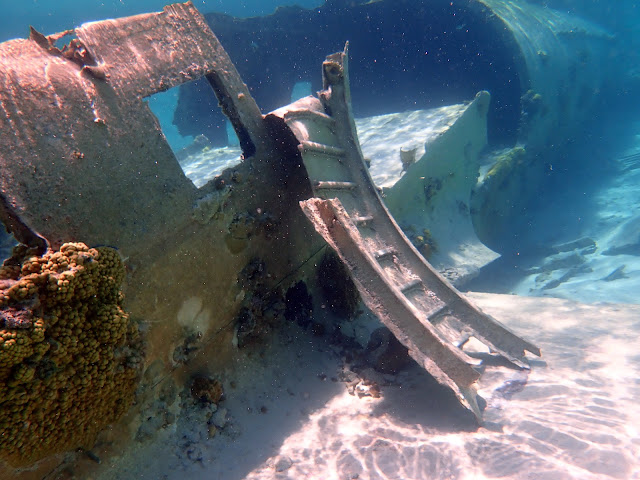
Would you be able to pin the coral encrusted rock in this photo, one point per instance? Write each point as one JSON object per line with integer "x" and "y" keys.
{"x": 70, "y": 357}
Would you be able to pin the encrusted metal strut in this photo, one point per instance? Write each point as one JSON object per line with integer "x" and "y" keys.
{"x": 424, "y": 311}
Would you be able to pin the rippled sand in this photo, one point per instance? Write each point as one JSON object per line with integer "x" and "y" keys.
{"x": 575, "y": 415}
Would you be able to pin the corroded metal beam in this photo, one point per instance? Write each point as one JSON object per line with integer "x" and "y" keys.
{"x": 424, "y": 311}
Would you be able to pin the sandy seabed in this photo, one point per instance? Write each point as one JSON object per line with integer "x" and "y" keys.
{"x": 293, "y": 408}
{"x": 290, "y": 413}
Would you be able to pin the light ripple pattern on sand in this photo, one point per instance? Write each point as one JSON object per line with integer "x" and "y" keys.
{"x": 383, "y": 136}
{"x": 572, "y": 417}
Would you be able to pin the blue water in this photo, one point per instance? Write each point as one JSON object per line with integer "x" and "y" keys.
{"x": 50, "y": 17}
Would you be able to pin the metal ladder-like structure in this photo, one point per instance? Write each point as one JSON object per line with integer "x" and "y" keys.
{"x": 425, "y": 313}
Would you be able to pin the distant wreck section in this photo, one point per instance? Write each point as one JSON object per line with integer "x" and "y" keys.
{"x": 84, "y": 160}
{"x": 545, "y": 70}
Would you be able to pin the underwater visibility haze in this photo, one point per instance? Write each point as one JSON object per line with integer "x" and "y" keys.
{"x": 383, "y": 239}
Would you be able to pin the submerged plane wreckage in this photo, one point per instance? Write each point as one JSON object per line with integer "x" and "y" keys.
{"x": 100, "y": 206}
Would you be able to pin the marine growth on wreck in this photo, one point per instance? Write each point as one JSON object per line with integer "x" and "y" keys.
{"x": 70, "y": 356}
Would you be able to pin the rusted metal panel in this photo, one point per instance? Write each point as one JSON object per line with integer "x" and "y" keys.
{"x": 71, "y": 167}
{"x": 152, "y": 52}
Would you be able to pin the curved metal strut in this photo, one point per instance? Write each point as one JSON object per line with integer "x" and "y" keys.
{"x": 426, "y": 313}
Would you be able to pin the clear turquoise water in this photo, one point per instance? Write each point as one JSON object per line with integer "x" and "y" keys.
{"x": 50, "y": 17}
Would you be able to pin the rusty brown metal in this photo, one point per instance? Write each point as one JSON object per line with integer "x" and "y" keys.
{"x": 71, "y": 168}
{"x": 150, "y": 53}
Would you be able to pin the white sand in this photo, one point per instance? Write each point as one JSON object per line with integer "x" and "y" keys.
{"x": 574, "y": 415}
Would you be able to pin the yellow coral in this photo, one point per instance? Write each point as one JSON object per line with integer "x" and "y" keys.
{"x": 69, "y": 355}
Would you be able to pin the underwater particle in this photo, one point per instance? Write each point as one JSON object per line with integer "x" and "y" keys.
{"x": 70, "y": 358}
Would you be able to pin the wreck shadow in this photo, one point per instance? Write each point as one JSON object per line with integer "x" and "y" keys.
{"x": 278, "y": 387}
{"x": 419, "y": 399}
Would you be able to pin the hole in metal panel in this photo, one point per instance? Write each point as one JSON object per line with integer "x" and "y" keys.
{"x": 202, "y": 158}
